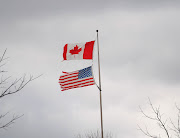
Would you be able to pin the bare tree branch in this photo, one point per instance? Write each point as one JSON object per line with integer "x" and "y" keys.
{"x": 176, "y": 128}
{"x": 7, "y": 88}
{"x": 3, "y": 80}
{"x": 3, "y": 115}
{"x": 146, "y": 132}
{"x": 94, "y": 134}
{"x": 157, "y": 118}
{"x": 2, "y": 58}
{"x": 14, "y": 87}
{"x": 10, "y": 122}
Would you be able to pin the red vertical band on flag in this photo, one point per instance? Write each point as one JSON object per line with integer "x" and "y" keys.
{"x": 65, "y": 52}
{"x": 88, "y": 50}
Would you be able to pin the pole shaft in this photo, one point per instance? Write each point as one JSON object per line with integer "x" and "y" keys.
{"x": 100, "y": 86}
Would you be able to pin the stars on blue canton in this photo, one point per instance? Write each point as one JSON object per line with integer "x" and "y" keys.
{"x": 84, "y": 73}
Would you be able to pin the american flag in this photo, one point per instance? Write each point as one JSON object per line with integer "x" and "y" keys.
{"x": 76, "y": 79}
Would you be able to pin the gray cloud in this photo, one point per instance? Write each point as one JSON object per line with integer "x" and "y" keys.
{"x": 29, "y": 9}
{"x": 142, "y": 51}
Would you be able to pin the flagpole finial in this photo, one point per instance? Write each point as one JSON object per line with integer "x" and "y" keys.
{"x": 97, "y": 31}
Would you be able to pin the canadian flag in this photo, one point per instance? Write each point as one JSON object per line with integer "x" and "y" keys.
{"x": 78, "y": 51}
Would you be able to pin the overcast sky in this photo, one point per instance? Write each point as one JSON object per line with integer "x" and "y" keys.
{"x": 139, "y": 52}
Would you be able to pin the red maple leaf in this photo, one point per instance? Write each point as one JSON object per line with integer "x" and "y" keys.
{"x": 75, "y": 50}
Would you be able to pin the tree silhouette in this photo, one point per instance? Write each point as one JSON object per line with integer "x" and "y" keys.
{"x": 94, "y": 134}
{"x": 170, "y": 129}
{"x": 8, "y": 88}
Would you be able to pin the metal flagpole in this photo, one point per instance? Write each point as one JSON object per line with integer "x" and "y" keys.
{"x": 100, "y": 86}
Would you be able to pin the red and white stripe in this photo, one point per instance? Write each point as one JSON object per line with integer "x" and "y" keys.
{"x": 70, "y": 81}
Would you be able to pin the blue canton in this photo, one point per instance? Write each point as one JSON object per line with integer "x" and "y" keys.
{"x": 84, "y": 73}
